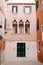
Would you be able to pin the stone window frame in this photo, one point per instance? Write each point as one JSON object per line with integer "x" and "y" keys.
{"x": 28, "y": 23}
{"x": 38, "y": 47}
{"x": 41, "y": 32}
{"x": 27, "y": 7}
{"x": 14, "y": 23}
{"x": 16, "y": 7}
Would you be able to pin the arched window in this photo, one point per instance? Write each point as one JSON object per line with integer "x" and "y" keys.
{"x": 14, "y": 24}
{"x": 27, "y": 26}
{"x": 21, "y": 26}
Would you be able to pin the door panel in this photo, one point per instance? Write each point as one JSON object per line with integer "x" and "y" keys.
{"x": 20, "y": 49}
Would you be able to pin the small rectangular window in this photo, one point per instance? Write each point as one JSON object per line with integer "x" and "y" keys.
{"x": 27, "y": 9}
{"x": 36, "y": 5}
{"x": 37, "y": 25}
{"x": 42, "y": 33}
{"x": 14, "y": 9}
{"x": 5, "y": 24}
{"x": 38, "y": 45}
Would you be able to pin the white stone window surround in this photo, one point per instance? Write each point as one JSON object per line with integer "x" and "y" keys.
{"x": 42, "y": 31}
{"x": 18, "y": 28}
{"x": 14, "y": 9}
{"x": 21, "y": 28}
{"x": 38, "y": 45}
{"x": 27, "y": 9}
{"x": 27, "y": 22}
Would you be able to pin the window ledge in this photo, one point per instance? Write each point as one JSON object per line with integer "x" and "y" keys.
{"x": 20, "y": 34}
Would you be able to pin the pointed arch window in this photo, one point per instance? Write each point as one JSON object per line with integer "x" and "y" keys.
{"x": 27, "y": 26}
{"x": 21, "y": 26}
{"x": 14, "y": 24}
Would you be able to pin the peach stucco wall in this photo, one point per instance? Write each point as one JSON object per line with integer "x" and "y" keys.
{"x": 10, "y": 52}
{"x": 18, "y": 16}
{"x": 39, "y": 33}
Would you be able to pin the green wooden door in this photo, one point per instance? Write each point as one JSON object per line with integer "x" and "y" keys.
{"x": 21, "y": 50}
{"x": 0, "y": 37}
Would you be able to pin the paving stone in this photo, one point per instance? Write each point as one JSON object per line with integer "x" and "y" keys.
{"x": 22, "y": 63}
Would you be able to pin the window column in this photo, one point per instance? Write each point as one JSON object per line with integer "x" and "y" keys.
{"x": 24, "y": 27}
{"x": 11, "y": 28}
{"x": 18, "y": 27}
{"x": 14, "y": 26}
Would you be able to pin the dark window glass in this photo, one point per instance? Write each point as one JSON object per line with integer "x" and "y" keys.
{"x": 38, "y": 45}
{"x": 0, "y": 37}
{"x": 5, "y": 24}
{"x": 36, "y": 4}
{"x": 14, "y": 9}
{"x": 27, "y": 27}
{"x": 27, "y": 9}
{"x": 20, "y": 49}
{"x": 37, "y": 24}
{"x": 0, "y": 26}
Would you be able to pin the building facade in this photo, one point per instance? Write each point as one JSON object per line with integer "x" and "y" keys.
{"x": 39, "y": 9}
{"x": 20, "y": 32}
{"x": 2, "y": 20}
{"x": 2, "y": 14}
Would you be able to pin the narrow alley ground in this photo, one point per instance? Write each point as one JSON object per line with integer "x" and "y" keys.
{"x": 22, "y": 63}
